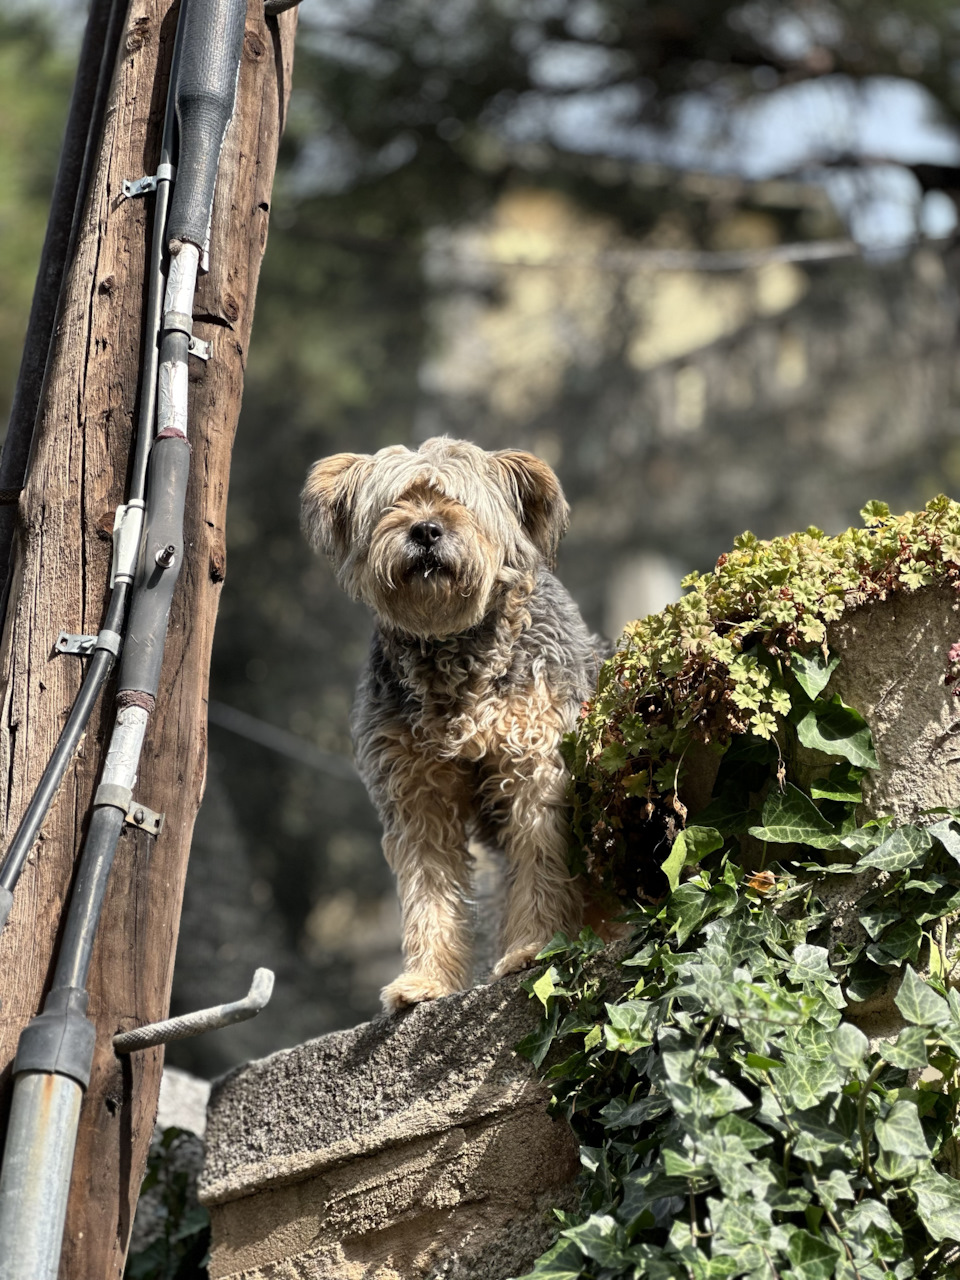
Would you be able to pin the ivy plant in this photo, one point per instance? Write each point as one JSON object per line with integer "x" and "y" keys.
{"x": 742, "y": 652}
{"x": 734, "y": 1119}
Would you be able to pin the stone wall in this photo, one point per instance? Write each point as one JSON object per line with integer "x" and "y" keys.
{"x": 418, "y": 1146}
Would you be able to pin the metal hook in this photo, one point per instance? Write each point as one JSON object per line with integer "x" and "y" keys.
{"x": 194, "y": 1024}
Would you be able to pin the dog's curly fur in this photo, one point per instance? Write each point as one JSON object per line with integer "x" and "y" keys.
{"x": 480, "y": 662}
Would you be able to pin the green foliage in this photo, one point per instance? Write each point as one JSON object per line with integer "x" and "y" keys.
{"x": 34, "y": 90}
{"x": 742, "y": 653}
{"x": 180, "y": 1250}
{"x": 732, "y": 1125}
{"x": 734, "y": 1120}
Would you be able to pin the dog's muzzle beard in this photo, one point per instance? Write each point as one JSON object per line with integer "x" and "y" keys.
{"x": 428, "y": 582}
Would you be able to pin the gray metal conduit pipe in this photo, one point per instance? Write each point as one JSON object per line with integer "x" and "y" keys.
{"x": 55, "y": 1053}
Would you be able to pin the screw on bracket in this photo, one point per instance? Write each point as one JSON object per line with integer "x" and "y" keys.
{"x": 166, "y": 556}
{"x": 200, "y": 348}
{"x": 139, "y": 186}
{"x": 68, "y": 642}
{"x": 138, "y": 815}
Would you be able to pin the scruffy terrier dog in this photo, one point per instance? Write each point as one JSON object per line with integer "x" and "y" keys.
{"x": 480, "y": 662}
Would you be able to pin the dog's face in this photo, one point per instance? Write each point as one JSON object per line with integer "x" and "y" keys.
{"x": 426, "y": 538}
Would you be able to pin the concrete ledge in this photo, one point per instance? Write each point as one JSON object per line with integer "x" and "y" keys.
{"x": 410, "y": 1147}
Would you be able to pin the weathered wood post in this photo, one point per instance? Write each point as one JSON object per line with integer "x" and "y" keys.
{"x": 59, "y": 580}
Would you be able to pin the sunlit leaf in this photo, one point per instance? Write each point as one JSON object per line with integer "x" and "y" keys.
{"x": 838, "y": 730}
{"x": 790, "y": 817}
{"x": 919, "y": 1003}
{"x": 899, "y": 1131}
{"x": 813, "y": 670}
{"x": 689, "y": 847}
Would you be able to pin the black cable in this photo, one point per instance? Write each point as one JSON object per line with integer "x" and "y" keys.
{"x": 101, "y": 664}
{"x": 86, "y": 900}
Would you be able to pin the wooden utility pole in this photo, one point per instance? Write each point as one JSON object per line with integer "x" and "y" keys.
{"x": 59, "y": 580}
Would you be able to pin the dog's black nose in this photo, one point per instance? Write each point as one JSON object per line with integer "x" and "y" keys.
{"x": 426, "y": 532}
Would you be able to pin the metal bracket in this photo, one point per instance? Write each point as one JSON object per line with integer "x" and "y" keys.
{"x": 138, "y": 815}
{"x": 199, "y": 348}
{"x": 193, "y": 1024}
{"x": 67, "y": 642}
{"x": 133, "y": 187}
{"x": 83, "y": 646}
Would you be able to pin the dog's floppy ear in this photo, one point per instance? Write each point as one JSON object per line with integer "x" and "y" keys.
{"x": 326, "y": 502}
{"x": 538, "y": 499}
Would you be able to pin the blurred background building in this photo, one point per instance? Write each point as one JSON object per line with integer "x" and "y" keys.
{"x": 697, "y": 256}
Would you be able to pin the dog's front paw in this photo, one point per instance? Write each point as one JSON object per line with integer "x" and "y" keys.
{"x": 517, "y": 959}
{"x": 412, "y": 988}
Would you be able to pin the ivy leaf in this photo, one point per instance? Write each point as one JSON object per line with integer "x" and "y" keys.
{"x": 687, "y": 908}
{"x": 836, "y": 1187}
{"x": 545, "y": 986}
{"x": 537, "y": 1044}
{"x": 736, "y": 1127}
{"x": 812, "y": 1258}
{"x": 628, "y": 1027}
{"x": 690, "y": 846}
{"x": 728, "y": 815}
{"x": 865, "y": 981}
{"x": 838, "y": 730}
{"x": 899, "y": 943}
{"x": 909, "y": 1050}
{"x": 843, "y": 783}
{"x": 556, "y": 946}
{"x": 805, "y": 1081}
{"x": 830, "y": 1126}
{"x": 760, "y": 1062}
{"x": 790, "y": 817}
{"x": 905, "y": 847}
{"x": 810, "y": 964}
{"x": 563, "y": 1262}
{"x": 919, "y": 1003}
{"x": 813, "y": 670}
{"x": 601, "y": 1238}
{"x": 899, "y": 1131}
{"x": 677, "y": 1165}
{"x": 878, "y": 915}
{"x": 642, "y": 1188}
{"x": 948, "y": 833}
{"x": 871, "y": 1223}
{"x": 865, "y": 839}
{"x": 850, "y": 1046}
{"x": 896, "y": 1168}
{"x": 938, "y": 1203}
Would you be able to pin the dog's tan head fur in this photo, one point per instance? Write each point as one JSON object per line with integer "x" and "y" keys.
{"x": 428, "y": 538}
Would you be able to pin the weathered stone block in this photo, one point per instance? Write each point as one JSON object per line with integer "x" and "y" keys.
{"x": 405, "y": 1148}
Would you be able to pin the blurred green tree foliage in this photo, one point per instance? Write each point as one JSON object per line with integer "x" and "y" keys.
{"x": 35, "y": 79}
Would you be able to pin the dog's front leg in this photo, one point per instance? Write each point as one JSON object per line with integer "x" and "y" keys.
{"x": 544, "y": 897}
{"x": 423, "y": 807}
